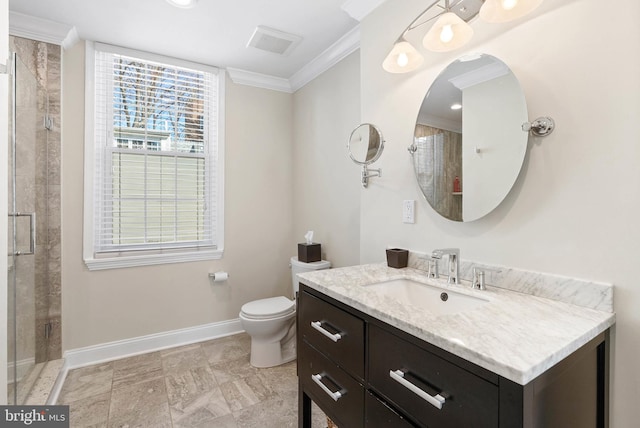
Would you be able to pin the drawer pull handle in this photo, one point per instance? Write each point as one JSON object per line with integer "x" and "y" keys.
{"x": 317, "y": 378}
{"x": 318, "y": 326}
{"x": 398, "y": 376}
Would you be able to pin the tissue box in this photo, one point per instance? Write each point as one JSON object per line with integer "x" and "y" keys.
{"x": 308, "y": 253}
{"x": 397, "y": 258}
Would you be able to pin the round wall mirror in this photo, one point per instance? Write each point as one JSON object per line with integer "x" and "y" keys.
{"x": 365, "y": 144}
{"x": 469, "y": 145}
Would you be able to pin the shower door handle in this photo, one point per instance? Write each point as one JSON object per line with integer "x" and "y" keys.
{"x": 32, "y": 233}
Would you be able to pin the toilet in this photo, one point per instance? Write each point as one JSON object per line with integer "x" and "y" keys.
{"x": 271, "y": 322}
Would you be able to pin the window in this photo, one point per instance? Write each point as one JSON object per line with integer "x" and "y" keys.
{"x": 153, "y": 156}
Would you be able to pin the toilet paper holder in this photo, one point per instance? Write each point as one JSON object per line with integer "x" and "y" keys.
{"x": 218, "y": 276}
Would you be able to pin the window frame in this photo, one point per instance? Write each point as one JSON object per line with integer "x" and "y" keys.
{"x": 155, "y": 256}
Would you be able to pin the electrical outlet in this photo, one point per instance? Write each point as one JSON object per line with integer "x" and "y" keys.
{"x": 408, "y": 211}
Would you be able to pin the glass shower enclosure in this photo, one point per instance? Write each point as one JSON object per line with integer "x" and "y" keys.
{"x": 27, "y": 124}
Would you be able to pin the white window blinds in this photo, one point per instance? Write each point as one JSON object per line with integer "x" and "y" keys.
{"x": 155, "y": 132}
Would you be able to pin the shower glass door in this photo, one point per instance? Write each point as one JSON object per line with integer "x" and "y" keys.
{"x": 26, "y": 117}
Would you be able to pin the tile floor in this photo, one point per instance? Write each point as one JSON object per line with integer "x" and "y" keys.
{"x": 209, "y": 384}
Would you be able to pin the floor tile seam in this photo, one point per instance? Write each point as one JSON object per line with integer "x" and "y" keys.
{"x": 166, "y": 393}
{"x": 110, "y": 402}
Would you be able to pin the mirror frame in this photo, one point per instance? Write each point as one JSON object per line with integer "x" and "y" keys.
{"x": 380, "y": 147}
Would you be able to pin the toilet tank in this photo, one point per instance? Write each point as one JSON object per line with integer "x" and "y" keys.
{"x": 300, "y": 267}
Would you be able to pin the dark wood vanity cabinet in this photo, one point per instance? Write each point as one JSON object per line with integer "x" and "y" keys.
{"x": 365, "y": 373}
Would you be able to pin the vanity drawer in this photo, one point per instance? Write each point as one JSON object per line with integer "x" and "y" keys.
{"x": 338, "y": 334}
{"x": 410, "y": 377}
{"x": 345, "y": 410}
{"x": 380, "y": 415}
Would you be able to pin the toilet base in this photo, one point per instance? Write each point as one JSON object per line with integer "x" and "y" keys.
{"x": 272, "y": 354}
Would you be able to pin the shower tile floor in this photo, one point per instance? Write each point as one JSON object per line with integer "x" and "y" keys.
{"x": 208, "y": 384}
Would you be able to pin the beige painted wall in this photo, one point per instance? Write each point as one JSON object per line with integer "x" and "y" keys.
{"x": 105, "y": 306}
{"x": 4, "y": 163}
{"x": 326, "y": 187}
{"x": 574, "y": 208}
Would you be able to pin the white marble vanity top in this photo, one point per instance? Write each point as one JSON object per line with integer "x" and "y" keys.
{"x": 518, "y": 336}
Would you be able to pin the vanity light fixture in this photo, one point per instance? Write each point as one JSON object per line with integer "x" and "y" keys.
{"x": 456, "y": 106}
{"x": 451, "y": 29}
{"x": 183, "y": 4}
{"x": 450, "y": 32}
{"x": 403, "y": 58}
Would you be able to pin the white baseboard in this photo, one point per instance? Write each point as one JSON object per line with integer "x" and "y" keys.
{"x": 95, "y": 354}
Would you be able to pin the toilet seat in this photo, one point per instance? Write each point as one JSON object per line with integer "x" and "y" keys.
{"x": 272, "y": 307}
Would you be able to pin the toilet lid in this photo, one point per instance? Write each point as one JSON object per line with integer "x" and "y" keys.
{"x": 268, "y": 308}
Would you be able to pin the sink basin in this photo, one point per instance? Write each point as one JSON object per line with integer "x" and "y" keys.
{"x": 436, "y": 300}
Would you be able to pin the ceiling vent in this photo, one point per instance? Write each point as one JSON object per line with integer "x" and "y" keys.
{"x": 274, "y": 41}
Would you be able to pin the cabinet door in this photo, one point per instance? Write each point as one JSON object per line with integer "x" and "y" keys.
{"x": 415, "y": 381}
{"x": 337, "y": 333}
{"x": 339, "y": 395}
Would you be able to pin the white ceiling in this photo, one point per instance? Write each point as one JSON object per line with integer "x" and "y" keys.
{"x": 215, "y": 32}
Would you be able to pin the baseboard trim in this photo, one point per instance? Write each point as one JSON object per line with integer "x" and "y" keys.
{"x": 80, "y": 357}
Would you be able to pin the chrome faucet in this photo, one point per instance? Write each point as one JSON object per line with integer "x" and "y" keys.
{"x": 478, "y": 279}
{"x": 454, "y": 257}
{"x": 432, "y": 270}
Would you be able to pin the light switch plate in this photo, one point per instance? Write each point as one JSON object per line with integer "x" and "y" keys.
{"x": 408, "y": 211}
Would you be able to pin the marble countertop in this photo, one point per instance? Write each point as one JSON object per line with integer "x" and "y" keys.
{"x": 518, "y": 336}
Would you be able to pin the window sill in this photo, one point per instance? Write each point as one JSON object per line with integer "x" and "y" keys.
{"x": 117, "y": 262}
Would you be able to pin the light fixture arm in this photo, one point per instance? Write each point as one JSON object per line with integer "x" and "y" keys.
{"x": 411, "y": 26}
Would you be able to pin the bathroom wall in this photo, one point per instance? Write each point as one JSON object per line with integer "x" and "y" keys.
{"x": 117, "y": 304}
{"x": 4, "y": 164}
{"x": 574, "y": 208}
{"x": 326, "y": 185}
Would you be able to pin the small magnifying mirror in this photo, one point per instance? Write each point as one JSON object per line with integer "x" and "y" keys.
{"x": 365, "y": 147}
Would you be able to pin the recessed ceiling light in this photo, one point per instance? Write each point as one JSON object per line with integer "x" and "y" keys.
{"x": 456, "y": 106}
{"x": 184, "y": 4}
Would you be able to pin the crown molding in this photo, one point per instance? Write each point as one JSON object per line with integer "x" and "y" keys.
{"x": 250, "y": 78}
{"x": 347, "y": 44}
{"x": 358, "y": 9}
{"x": 42, "y": 30}
{"x": 335, "y": 53}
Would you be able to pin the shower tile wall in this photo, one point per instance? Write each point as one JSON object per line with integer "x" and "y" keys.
{"x": 43, "y": 61}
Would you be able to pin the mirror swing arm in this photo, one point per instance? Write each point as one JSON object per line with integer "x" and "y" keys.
{"x": 368, "y": 173}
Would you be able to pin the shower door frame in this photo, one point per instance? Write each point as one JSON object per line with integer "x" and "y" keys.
{"x": 16, "y": 374}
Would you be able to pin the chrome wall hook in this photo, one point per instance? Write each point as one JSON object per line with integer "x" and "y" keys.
{"x": 541, "y": 127}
